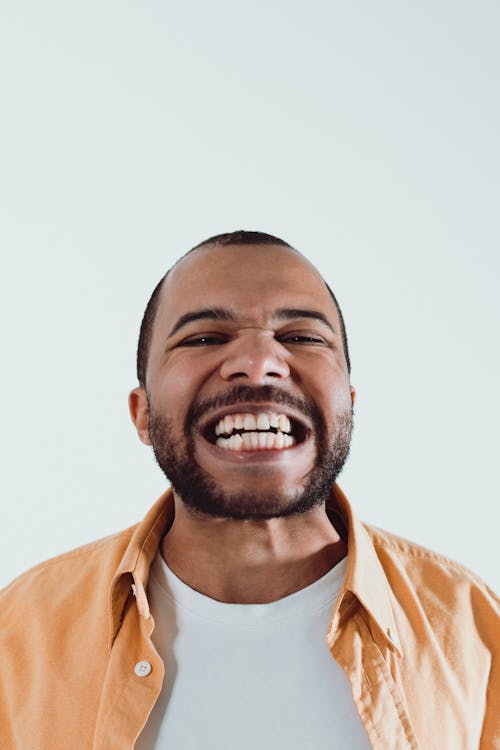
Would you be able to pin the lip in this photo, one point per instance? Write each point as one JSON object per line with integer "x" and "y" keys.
{"x": 256, "y": 408}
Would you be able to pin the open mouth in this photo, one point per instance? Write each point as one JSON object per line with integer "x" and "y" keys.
{"x": 255, "y": 431}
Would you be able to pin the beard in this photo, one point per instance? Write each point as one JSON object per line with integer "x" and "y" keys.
{"x": 203, "y": 496}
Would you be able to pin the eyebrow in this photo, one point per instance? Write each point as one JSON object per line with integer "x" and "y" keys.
{"x": 220, "y": 313}
{"x": 286, "y": 313}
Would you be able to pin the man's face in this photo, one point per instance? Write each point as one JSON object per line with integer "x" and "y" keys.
{"x": 250, "y": 406}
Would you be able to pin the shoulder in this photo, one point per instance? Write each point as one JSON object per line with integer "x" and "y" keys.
{"x": 436, "y": 581}
{"x": 86, "y": 570}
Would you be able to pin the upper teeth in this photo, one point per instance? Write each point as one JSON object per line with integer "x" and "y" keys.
{"x": 250, "y": 422}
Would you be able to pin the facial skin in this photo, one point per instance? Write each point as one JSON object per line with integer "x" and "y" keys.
{"x": 260, "y": 359}
{"x": 201, "y": 493}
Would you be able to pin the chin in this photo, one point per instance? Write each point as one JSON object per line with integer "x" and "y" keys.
{"x": 258, "y": 504}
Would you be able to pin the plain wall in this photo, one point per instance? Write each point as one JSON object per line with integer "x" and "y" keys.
{"x": 365, "y": 134}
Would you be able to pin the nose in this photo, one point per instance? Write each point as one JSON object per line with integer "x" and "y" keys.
{"x": 255, "y": 357}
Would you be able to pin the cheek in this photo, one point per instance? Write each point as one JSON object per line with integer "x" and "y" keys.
{"x": 175, "y": 374}
{"x": 340, "y": 401}
{"x": 186, "y": 371}
{"x": 179, "y": 379}
{"x": 176, "y": 388}
{"x": 326, "y": 381}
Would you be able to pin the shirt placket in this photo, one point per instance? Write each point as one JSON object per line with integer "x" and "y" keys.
{"x": 132, "y": 684}
{"x": 378, "y": 699}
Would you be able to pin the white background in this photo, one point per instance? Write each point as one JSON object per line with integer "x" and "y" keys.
{"x": 364, "y": 133}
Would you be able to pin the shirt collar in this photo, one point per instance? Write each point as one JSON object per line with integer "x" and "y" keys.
{"x": 365, "y": 577}
{"x": 133, "y": 571}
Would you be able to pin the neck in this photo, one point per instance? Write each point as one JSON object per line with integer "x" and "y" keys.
{"x": 251, "y": 562}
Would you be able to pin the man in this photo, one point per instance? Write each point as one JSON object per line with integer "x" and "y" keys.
{"x": 250, "y": 608}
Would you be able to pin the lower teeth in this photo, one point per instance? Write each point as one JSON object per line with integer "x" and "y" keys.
{"x": 256, "y": 441}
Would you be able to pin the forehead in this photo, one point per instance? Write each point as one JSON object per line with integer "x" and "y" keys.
{"x": 253, "y": 280}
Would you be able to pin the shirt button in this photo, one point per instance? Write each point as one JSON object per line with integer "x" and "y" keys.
{"x": 142, "y": 668}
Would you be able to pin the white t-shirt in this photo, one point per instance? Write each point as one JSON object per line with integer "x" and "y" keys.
{"x": 248, "y": 676}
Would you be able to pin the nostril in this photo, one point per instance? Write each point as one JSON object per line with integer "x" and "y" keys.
{"x": 253, "y": 368}
{"x": 235, "y": 375}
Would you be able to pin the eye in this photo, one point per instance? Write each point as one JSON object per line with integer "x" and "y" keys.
{"x": 205, "y": 340}
{"x": 302, "y": 338}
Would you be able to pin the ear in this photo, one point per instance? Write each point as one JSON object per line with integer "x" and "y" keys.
{"x": 353, "y": 395}
{"x": 138, "y": 407}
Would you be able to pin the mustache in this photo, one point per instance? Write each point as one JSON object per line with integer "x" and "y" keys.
{"x": 257, "y": 394}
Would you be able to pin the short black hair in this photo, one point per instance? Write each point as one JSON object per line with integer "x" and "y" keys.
{"x": 240, "y": 237}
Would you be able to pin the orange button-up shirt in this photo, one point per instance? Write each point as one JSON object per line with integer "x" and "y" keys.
{"x": 416, "y": 634}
